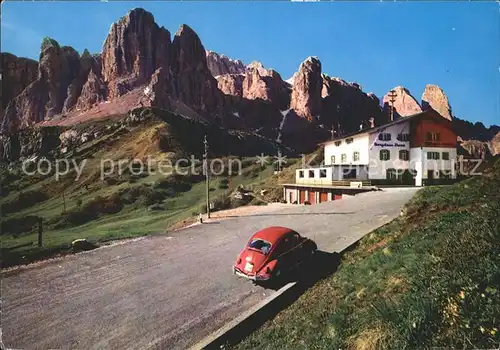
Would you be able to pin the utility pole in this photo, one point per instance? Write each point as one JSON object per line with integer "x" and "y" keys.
{"x": 333, "y": 132}
{"x": 205, "y": 165}
{"x": 392, "y": 98}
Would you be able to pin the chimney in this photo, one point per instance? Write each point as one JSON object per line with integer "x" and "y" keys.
{"x": 372, "y": 122}
{"x": 361, "y": 126}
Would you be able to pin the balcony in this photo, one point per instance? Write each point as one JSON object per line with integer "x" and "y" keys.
{"x": 354, "y": 182}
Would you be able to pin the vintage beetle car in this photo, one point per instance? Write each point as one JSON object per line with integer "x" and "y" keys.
{"x": 271, "y": 252}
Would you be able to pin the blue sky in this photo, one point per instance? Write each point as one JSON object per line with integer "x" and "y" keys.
{"x": 377, "y": 44}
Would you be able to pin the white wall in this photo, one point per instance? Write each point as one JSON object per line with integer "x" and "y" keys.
{"x": 420, "y": 154}
{"x": 316, "y": 179}
{"x": 359, "y": 144}
{"x": 378, "y": 168}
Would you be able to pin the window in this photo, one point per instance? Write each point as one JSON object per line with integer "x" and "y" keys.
{"x": 355, "y": 156}
{"x": 385, "y": 154}
{"x": 404, "y": 154}
{"x": 259, "y": 244}
{"x": 403, "y": 137}
{"x": 333, "y": 159}
{"x": 384, "y": 137}
{"x": 349, "y": 140}
{"x": 322, "y": 172}
{"x": 432, "y": 155}
{"x": 432, "y": 136}
{"x": 393, "y": 174}
{"x": 301, "y": 173}
{"x": 446, "y": 155}
{"x": 338, "y": 143}
{"x": 350, "y": 173}
{"x": 343, "y": 158}
{"x": 311, "y": 173}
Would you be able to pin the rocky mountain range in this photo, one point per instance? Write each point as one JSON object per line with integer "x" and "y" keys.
{"x": 141, "y": 64}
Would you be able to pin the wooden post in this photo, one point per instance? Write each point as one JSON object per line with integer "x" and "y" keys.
{"x": 207, "y": 179}
{"x": 40, "y": 232}
{"x": 64, "y": 202}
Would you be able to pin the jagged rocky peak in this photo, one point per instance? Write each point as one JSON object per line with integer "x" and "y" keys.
{"x": 134, "y": 48}
{"x": 404, "y": 103}
{"x": 62, "y": 74}
{"x": 192, "y": 81}
{"x": 259, "y": 67}
{"x": 86, "y": 73}
{"x": 435, "y": 98}
{"x": 17, "y": 74}
{"x": 220, "y": 64}
{"x": 307, "y": 88}
{"x": 265, "y": 84}
{"x": 45, "y": 96}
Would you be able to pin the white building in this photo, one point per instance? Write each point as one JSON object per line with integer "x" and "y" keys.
{"x": 412, "y": 150}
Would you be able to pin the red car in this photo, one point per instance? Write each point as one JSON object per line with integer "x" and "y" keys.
{"x": 272, "y": 251}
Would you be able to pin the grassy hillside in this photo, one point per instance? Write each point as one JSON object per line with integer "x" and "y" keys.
{"x": 430, "y": 278}
{"x": 127, "y": 204}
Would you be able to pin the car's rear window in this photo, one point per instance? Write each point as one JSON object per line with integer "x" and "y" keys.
{"x": 260, "y": 244}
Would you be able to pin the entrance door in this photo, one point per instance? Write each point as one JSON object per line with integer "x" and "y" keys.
{"x": 430, "y": 177}
{"x": 290, "y": 197}
{"x": 312, "y": 197}
{"x": 323, "y": 197}
{"x": 302, "y": 196}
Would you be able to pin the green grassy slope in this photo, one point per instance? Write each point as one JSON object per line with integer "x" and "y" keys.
{"x": 126, "y": 205}
{"x": 430, "y": 278}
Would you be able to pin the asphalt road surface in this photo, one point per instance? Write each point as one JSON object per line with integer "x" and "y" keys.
{"x": 171, "y": 290}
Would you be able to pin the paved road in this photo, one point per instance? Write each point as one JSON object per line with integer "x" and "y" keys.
{"x": 167, "y": 291}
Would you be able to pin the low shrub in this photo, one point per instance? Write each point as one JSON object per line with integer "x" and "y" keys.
{"x": 24, "y": 200}
{"x": 16, "y": 226}
{"x": 91, "y": 210}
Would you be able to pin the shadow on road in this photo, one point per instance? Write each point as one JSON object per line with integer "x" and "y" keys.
{"x": 322, "y": 265}
{"x": 285, "y": 214}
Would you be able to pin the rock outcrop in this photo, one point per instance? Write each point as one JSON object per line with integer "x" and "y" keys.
{"x": 29, "y": 142}
{"x": 135, "y": 47}
{"x": 404, "y": 103}
{"x": 92, "y": 92}
{"x": 157, "y": 91}
{"x": 435, "y": 98}
{"x": 474, "y": 148}
{"x": 141, "y": 65}
{"x": 306, "y": 90}
{"x": 231, "y": 84}
{"x": 345, "y": 107}
{"x": 495, "y": 144}
{"x": 220, "y": 64}
{"x": 82, "y": 68}
{"x": 192, "y": 82}
{"x": 57, "y": 85}
{"x": 265, "y": 84}
{"x": 17, "y": 74}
